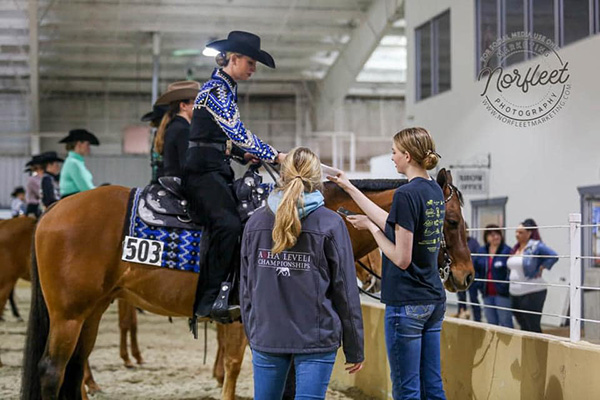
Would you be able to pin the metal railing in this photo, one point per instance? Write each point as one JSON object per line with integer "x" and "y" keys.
{"x": 575, "y": 284}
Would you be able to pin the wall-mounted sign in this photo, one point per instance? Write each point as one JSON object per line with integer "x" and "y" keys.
{"x": 471, "y": 181}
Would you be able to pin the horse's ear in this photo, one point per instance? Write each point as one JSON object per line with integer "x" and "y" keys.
{"x": 449, "y": 177}
{"x": 441, "y": 178}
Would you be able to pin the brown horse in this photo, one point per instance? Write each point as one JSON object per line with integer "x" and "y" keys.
{"x": 16, "y": 235}
{"x": 370, "y": 282}
{"x": 78, "y": 271}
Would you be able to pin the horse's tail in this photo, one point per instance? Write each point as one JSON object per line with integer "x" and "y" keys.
{"x": 37, "y": 335}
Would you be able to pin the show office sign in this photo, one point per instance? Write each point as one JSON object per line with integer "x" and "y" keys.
{"x": 471, "y": 181}
{"x": 526, "y": 93}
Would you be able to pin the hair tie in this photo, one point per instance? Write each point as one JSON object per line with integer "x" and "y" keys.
{"x": 428, "y": 152}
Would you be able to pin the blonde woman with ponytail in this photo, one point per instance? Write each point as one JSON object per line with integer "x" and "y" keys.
{"x": 298, "y": 289}
{"x": 409, "y": 237}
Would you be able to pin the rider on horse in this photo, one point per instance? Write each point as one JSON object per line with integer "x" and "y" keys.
{"x": 217, "y": 134}
{"x": 75, "y": 177}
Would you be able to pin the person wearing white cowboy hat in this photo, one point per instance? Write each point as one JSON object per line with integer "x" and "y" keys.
{"x": 75, "y": 176}
{"x": 216, "y": 135}
{"x": 172, "y": 136}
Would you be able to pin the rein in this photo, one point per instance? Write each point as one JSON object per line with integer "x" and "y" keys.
{"x": 444, "y": 269}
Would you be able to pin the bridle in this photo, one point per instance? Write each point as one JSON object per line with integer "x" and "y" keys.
{"x": 444, "y": 268}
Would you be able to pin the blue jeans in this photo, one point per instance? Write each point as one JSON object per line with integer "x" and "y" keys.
{"x": 313, "y": 372}
{"x": 495, "y": 316}
{"x": 412, "y": 336}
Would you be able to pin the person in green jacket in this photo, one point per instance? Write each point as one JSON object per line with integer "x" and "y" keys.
{"x": 75, "y": 177}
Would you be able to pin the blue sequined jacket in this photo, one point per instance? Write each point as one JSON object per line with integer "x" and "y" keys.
{"x": 216, "y": 119}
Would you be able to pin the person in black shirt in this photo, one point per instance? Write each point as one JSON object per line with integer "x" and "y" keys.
{"x": 217, "y": 134}
{"x": 173, "y": 133}
{"x": 50, "y": 187}
{"x": 409, "y": 237}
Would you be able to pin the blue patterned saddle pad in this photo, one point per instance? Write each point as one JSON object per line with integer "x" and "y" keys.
{"x": 182, "y": 249}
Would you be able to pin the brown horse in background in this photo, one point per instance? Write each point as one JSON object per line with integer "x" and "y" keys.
{"x": 78, "y": 271}
{"x": 16, "y": 236}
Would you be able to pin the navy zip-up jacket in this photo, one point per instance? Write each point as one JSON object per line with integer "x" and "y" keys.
{"x": 304, "y": 299}
{"x": 499, "y": 270}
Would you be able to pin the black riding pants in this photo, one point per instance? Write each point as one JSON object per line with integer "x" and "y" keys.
{"x": 529, "y": 302}
{"x": 212, "y": 204}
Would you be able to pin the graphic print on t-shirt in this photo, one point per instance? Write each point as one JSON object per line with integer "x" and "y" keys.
{"x": 284, "y": 262}
{"x": 433, "y": 225}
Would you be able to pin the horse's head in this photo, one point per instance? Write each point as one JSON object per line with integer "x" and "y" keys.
{"x": 455, "y": 249}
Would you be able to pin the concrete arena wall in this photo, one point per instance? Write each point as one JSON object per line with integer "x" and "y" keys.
{"x": 481, "y": 361}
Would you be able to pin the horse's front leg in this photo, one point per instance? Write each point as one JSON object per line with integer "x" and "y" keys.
{"x": 233, "y": 353}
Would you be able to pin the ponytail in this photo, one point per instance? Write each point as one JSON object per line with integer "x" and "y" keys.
{"x": 159, "y": 138}
{"x": 287, "y": 220}
{"x": 300, "y": 172}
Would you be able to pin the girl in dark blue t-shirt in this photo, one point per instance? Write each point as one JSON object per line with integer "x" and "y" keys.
{"x": 409, "y": 237}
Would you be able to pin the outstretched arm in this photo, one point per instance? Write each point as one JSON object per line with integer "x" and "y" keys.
{"x": 220, "y": 104}
{"x": 375, "y": 213}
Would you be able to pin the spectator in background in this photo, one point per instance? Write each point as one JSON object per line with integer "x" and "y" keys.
{"x": 33, "y": 186}
{"x": 493, "y": 267}
{"x": 154, "y": 117}
{"x": 17, "y": 204}
{"x": 525, "y": 267}
{"x": 50, "y": 185}
{"x": 75, "y": 176}
{"x": 473, "y": 290}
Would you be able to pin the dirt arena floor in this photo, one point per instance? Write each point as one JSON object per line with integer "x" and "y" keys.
{"x": 173, "y": 367}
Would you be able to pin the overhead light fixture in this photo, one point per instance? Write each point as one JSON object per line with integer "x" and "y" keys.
{"x": 186, "y": 52}
{"x": 208, "y": 52}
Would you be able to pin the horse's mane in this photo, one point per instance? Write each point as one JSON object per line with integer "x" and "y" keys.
{"x": 371, "y": 185}
{"x": 460, "y": 195}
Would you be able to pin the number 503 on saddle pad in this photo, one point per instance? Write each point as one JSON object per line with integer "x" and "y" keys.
{"x": 144, "y": 251}
{"x": 148, "y": 240}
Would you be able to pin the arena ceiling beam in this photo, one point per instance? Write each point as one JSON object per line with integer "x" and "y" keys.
{"x": 353, "y": 57}
{"x": 143, "y": 87}
{"x": 190, "y": 26}
{"x": 335, "y": 11}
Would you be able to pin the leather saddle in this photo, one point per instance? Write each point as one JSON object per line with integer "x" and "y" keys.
{"x": 163, "y": 204}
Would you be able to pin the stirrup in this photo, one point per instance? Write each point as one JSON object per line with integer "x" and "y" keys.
{"x": 229, "y": 315}
{"x": 193, "y": 324}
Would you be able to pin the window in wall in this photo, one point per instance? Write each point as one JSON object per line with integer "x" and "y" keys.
{"x": 514, "y": 22}
{"x": 562, "y": 21}
{"x": 487, "y": 32}
{"x": 543, "y": 18}
{"x": 423, "y": 35}
{"x": 575, "y": 20}
{"x": 433, "y": 70}
{"x": 485, "y": 212}
{"x": 443, "y": 52}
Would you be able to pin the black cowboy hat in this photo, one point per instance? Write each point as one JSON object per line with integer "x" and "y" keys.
{"x": 17, "y": 190}
{"x": 245, "y": 43}
{"x": 51, "y": 156}
{"x": 80, "y": 135}
{"x": 156, "y": 114}
{"x": 38, "y": 159}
